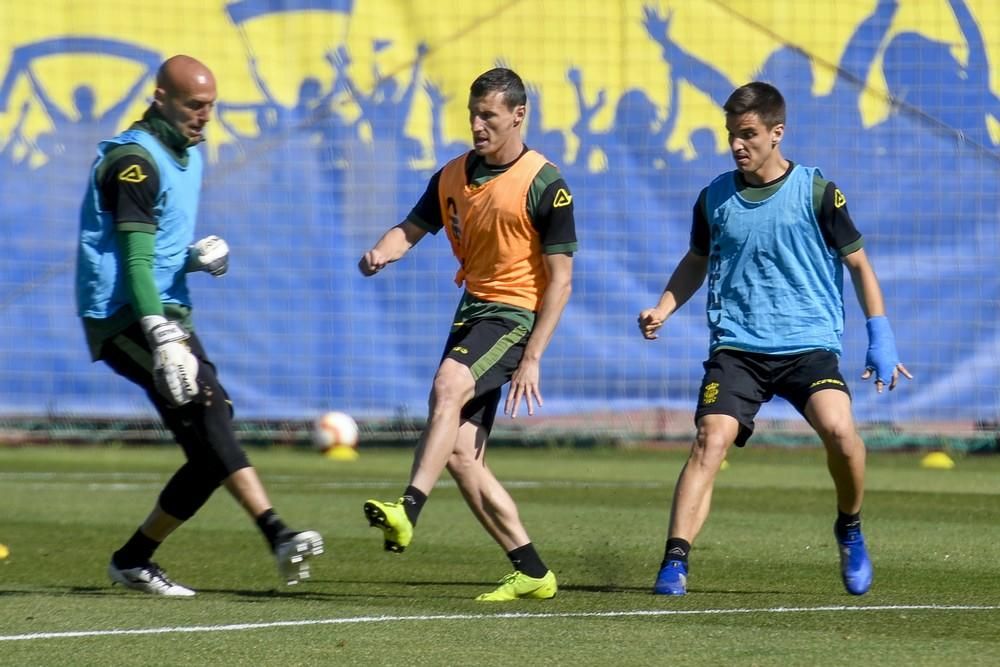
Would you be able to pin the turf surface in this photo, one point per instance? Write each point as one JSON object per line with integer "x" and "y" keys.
{"x": 764, "y": 587}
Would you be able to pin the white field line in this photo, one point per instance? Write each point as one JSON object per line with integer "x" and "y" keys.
{"x": 126, "y": 481}
{"x": 476, "y": 617}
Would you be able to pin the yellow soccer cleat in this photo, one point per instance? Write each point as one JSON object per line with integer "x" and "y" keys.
{"x": 392, "y": 519}
{"x": 517, "y": 585}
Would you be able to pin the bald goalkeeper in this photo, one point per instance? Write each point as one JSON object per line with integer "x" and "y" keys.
{"x": 136, "y": 247}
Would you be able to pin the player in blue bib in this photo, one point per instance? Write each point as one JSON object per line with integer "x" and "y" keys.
{"x": 772, "y": 238}
{"x": 136, "y": 247}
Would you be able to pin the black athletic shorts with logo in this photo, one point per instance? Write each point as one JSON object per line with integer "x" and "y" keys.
{"x": 737, "y": 383}
{"x": 492, "y": 349}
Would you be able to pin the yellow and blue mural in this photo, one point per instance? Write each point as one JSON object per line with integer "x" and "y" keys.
{"x": 333, "y": 114}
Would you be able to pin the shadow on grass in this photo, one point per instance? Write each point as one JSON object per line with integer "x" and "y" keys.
{"x": 379, "y": 589}
{"x": 104, "y": 592}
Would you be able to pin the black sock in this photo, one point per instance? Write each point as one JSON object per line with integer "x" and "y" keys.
{"x": 846, "y": 523}
{"x": 413, "y": 501}
{"x": 136, "y": 552}
{"x": 676, "y": 549}
{"x": 526, "y": 559}
{"x": 271, "y": 526}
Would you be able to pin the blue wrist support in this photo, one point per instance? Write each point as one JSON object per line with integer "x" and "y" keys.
{"x": 882, "y": 357}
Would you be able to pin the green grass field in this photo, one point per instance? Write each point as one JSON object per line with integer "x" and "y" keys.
{"x": 764, "y": 588}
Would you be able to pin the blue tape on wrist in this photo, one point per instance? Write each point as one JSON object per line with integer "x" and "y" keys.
{"x": 878, "y": 328}
{"x": 882, "y": 357}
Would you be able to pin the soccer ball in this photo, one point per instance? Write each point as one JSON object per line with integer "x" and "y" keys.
{"x": 336, "y": 434}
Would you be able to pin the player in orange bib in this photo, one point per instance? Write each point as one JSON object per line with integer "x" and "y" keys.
{"x": 509, "y": 217}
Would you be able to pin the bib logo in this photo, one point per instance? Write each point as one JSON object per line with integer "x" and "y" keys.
{"x": 711, "y": 393}
{"x": 132, "y": 175}
{"x": 562, "y": 198}
{"x": 838, "y": 198}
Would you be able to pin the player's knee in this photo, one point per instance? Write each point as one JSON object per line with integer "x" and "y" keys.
{"x": 708, "y": 451}
{"x": 840, "y": 436}
{"x": 448, "y": 396}
{"x": 219, "y": 458}
{"x": 712, "y": 442}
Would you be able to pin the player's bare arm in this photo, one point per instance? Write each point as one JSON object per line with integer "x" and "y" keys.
{"x": 866, "y": 285}
{"x": 869, "y": 293}
{"x": 395, "y": 243}
{"x": 684, "y": 282}
{"x": 524, "y": 384}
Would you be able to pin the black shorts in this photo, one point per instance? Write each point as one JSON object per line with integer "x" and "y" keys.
{"x": 204, "y": 427}
{"x": 737, "y": 383}
{"x": 492, "y": 349}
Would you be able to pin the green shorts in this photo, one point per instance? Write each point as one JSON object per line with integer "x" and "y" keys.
{"x": 492, "y": 349}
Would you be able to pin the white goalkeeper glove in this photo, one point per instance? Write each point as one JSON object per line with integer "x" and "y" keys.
{"x": 175, "y": 369}
{"x": 210, "y": 254}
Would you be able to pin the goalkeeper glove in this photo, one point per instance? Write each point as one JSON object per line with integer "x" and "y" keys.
{"x": 882, "y": 357}
{"x": 210, "y": 254}
{"x": 175, "y": 369}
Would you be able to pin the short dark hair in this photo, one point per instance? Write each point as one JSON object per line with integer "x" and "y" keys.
{"x": 500, "y": 80}
{"x": 760, "y": 98}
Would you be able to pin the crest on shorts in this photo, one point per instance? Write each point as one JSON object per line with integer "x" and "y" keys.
{"x": 710, "y": 394}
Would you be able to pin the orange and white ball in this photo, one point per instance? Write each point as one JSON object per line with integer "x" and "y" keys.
{"x": 335, "y": 431}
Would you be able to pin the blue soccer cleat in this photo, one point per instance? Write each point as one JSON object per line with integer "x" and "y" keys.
{"x": 672, "y": 579}
{"x": 855, "y": 566}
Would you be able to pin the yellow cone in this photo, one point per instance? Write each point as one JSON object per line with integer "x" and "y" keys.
{"x": 725, "y": 465}
{"x": 4, "y": 552}
{"x": 342, "y": 453}
{"x": 937, "y": 461}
